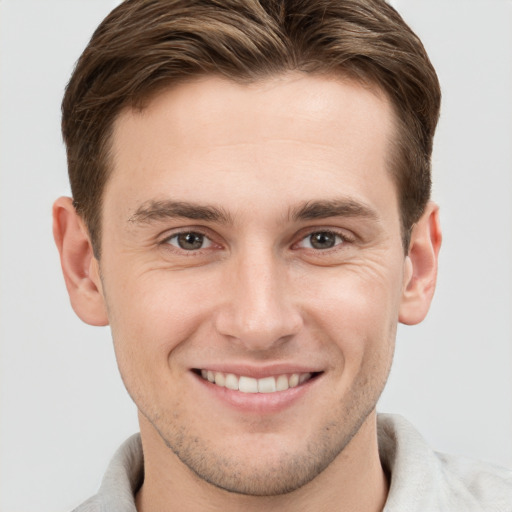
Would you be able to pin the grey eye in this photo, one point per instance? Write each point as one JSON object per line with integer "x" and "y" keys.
{"x": 321, "y": 240}
{"x": 189, "y": 241}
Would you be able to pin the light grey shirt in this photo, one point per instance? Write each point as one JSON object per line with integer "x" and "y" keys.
{"x": 421, "y": 480}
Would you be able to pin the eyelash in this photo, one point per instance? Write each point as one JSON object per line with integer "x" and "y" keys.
{"x": 341, "y": 239}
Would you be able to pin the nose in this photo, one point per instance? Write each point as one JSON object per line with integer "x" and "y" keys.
{"x": 260, "y": 311}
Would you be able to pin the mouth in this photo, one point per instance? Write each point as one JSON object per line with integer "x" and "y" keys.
{"x": 245, "y": 384}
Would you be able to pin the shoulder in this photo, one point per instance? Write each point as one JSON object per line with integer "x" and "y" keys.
{"x": 422, "y": 479}
{"x": 486, "y": 484}
{"x": 121, "y": 481}
{"x": 93, "y": 504}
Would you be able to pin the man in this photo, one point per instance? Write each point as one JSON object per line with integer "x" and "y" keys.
{"x": 251, "y": 215}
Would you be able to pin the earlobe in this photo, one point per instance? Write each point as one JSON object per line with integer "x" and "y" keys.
{"x": 421, "y": 267}
{"x": 79, "y": 266}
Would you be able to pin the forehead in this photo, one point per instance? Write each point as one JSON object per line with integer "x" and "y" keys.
{"x": 299, "y": 134}
{"x": 232, "y": 109}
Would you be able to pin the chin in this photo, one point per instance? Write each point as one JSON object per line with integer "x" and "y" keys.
{"x": 271, "y": 466}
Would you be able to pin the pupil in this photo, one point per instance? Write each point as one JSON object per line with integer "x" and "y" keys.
{"x": 189, "y": 241}
{"x": 322, "y": 240}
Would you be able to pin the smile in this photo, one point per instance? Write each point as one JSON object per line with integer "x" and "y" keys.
{"x": 246, "y": 384}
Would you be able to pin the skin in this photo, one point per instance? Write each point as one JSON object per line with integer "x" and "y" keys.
{"x": 256, "y": 295}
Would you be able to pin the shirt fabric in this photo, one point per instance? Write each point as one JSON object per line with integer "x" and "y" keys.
{"x": 421, "y": 480}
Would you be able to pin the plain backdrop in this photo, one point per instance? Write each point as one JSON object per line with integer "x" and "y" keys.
{"x": 63, "y": 408}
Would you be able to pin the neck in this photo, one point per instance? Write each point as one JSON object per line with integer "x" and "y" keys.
{"x": 355, "y": 480}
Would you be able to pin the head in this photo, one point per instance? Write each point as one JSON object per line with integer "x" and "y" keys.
{"x": 251, "y": 184}
{"x": 143, "y": 47}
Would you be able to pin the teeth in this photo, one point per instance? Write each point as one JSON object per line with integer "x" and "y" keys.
{"x": 304, "y": 377}
{"x": 231, "y": 382}
{"x": 267, "y": 385}
{"x": 251, "y": 385}
{"x": 220, "y": 379}
{"x": 282, "y": 383}
{"x": 294, "y": 380}
{"x": 247, "y": 385}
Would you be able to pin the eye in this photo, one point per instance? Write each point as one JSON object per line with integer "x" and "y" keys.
{"x": 189, "y": 241}
{"x": 321, "y": 240}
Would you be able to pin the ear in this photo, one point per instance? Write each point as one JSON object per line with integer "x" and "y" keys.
{"x": 421, "y": 267}
{"x": 79, "y": 266}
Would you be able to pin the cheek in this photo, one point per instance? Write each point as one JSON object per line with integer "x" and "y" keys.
{"x": 152, "y": 315}
{"x": 357, "y": 307}
{"x": 151, "y": 318}
{"x": 352, "y": 308}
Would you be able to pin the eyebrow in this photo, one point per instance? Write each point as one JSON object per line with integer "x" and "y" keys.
{"x": 310, "y": 210}
{"x": 169, "y": 209}
{"x": 332, "y": 208}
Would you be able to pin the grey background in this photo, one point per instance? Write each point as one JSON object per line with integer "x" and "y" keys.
{"x": 63, "y": 410}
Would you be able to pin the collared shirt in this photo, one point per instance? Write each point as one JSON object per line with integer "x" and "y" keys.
{"x": 421, "y": 480}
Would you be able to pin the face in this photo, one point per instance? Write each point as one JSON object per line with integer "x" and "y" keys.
{"x": 253, "y": 270}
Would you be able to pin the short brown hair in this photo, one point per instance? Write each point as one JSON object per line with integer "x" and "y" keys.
{"x": 145, "y": 45}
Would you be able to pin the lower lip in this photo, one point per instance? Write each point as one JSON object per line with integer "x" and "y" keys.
{"x": 260, "y": 403}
